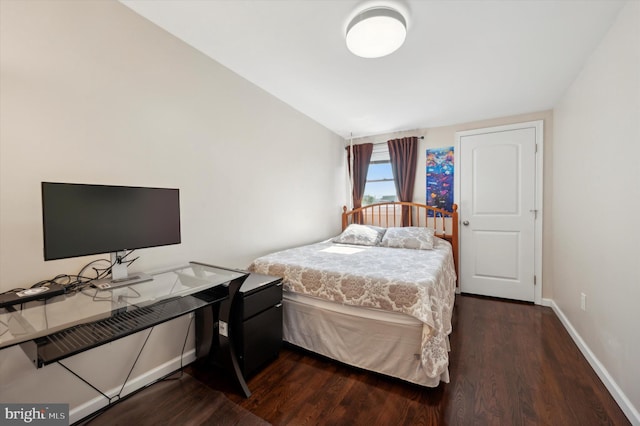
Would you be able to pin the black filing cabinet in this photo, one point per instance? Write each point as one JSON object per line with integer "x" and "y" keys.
{"x": 257, "y": 322}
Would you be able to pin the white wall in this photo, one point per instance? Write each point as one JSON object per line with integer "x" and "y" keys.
{"x": 596, "y": 204}
{"x": 91, "y": 92}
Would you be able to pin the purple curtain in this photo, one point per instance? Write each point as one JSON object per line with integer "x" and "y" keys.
{"x": 361, "y": 159}
{"x": 404, "y": 158}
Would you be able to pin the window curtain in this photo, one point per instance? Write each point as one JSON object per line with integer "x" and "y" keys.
{"x": 361, "y": 159}
{"x": 403, "y": 154}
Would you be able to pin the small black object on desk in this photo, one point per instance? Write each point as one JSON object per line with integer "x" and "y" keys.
{"x": 34, "y": 293}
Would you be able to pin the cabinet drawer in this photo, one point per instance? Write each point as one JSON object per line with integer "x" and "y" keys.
{"x": 258, "y": 301}
{"x": 261, "y": 339}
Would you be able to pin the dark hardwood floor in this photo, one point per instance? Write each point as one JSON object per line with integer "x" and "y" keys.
{"x": 180, "y": 400}
{"x": 511, "y": 364}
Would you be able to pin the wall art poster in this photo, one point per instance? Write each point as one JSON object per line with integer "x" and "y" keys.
{"x": 440, "y": 178}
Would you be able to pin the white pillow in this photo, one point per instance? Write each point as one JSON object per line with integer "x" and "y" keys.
{"x": 362, "y": 235}
{"x": 409, "y": 237}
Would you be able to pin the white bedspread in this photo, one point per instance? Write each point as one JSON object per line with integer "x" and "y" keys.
{"x": 420, "y": 283}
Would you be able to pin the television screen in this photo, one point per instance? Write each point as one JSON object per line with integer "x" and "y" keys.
{"x": 81, "y": 220}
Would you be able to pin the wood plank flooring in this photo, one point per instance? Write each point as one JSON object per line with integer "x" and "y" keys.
{"x": 511, "y": 364}
{"x": 180, "y": 400}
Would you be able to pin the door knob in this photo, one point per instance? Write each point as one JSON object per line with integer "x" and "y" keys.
{"x": 465, "y": 223}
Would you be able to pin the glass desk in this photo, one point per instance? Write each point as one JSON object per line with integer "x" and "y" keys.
{"x": 59, "y": 327}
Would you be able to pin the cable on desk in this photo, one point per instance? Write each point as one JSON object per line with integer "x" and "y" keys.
{"x": 128, "y": 262}
{"x": 132, "y": 297}
{"x": 100, "y": 272}
{"x": 80, "y": 280}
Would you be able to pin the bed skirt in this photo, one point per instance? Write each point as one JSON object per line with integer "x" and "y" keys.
{"x": 383, "y": 342}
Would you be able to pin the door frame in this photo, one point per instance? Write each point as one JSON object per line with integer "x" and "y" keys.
{"x": 538, "y": 125}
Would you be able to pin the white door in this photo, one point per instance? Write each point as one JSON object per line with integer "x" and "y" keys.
{"x": 497, "y": 199}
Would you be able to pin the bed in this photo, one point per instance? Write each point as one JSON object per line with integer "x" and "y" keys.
{"x": 380, "y": 295}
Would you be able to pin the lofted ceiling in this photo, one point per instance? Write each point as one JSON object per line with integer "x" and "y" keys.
{"x": 462, "y": 60}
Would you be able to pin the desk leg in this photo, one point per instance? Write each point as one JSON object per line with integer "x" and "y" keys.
{"x": 226, "y": 337}
{"x": 206, "y": 330}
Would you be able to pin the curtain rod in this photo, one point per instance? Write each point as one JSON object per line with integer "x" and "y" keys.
{"x": 384, "y": 143}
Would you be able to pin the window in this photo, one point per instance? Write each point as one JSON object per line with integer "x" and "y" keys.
{"x": 380, "y": 186}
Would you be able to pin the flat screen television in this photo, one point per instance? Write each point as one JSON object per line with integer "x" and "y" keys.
{"x": 81, "y": 220}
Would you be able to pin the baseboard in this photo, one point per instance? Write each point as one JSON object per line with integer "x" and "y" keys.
{"x": 547, "y": 302}
{"x": 138, "y": 382}
{"x": 625, "y": 404}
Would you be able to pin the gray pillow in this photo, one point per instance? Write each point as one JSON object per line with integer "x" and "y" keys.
{"x": 362, "y": 235}
{"x": 409, "y": 237}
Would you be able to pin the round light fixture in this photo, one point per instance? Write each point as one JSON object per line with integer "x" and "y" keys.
{"x": 376, "y": 32}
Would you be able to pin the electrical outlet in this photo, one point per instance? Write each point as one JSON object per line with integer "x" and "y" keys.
{"x": 583, "y": 301}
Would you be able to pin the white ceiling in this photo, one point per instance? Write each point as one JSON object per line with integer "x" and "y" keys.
{"x": 462, "y": 60}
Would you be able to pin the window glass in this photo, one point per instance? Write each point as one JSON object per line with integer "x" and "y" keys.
{"x": 380, "y": 186}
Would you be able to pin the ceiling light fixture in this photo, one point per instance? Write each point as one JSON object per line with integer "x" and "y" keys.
{"x": 376, "y": 32}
